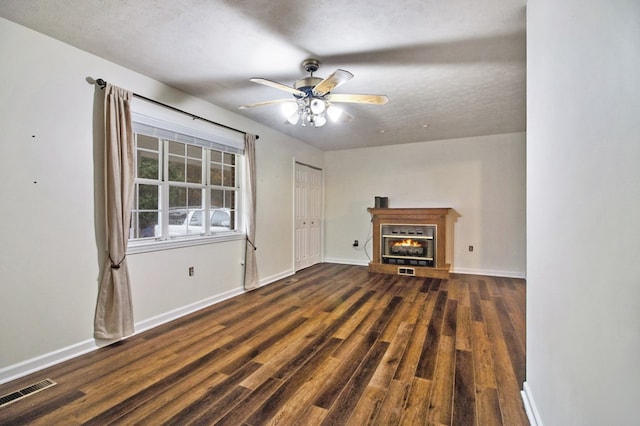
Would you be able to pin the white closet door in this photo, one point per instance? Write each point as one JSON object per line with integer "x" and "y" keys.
{"x": 314, "y": 214}
{"x": 301, "y": 231}
{"x": 308, "y": 216}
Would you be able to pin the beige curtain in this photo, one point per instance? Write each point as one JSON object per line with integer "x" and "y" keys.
{"x": 114, "y": 310}
{"x": 250, "y": 265}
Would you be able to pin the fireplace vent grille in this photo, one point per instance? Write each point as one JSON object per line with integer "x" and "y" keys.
{"x": 407, "y": 271}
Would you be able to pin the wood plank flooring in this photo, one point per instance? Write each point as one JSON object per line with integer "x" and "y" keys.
{"x": 331, "y": 345}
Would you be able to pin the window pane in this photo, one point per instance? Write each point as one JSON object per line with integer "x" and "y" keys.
{"x": 230, "y": 159}
{"x": 194, "y": 151}
{"x": 194, "y": 198}
{"x": 177, "y": 217}
{"x": 230, "y": 199}
{"x": 221, "y": 198}
{"x": 216, "y": 174}
{"x": 216, "y": 156}
{"x": 147, "y": 197}
{"x": 229, "y": 176}
{"x": 177, "y": 197}
{"x": 185, "y": 222}
{"x": 147, "y": 142}
{"x": 194, "y": 171}
{"x": 178, "y": 222}
{"x": 196, "y": 218}
{"x": 176, "y": 169}
{"x": 144, "y": 216}
{"x": 217, "y": 198}
{"x": 176, "y": 148}
{"x": 148, "y": 165}
{"x": 185, "y": 211}
{"x": 195, "y": 224}
{"x": 220, "y": 218}
{"x": 147, "y": 224}
{"x": 220, "y": 221}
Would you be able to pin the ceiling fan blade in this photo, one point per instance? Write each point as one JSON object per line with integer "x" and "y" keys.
{"x": 334, "y": 80}
{"x": 259, "y": 104}
{"x": 358, "y": 99}
{"x": 277, "y": 85}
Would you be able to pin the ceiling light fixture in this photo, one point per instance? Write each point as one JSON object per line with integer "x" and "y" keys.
{"x": 310, "y": 111}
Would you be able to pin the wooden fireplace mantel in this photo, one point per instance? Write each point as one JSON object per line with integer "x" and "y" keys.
{"x": 411, "y": 216}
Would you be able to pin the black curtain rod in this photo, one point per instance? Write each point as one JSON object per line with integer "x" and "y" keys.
{"x": 100, "y": 82}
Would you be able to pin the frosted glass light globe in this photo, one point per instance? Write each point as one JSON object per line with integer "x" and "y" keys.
{"x": 318, "y": 106}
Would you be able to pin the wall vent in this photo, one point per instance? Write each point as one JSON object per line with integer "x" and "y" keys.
{"x": 24, "y": 392}
{"x": 407, "y": 271}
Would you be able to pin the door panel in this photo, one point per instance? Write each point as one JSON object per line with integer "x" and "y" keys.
{"x": 308, "y": 216}
{"x": 314, "y": 204}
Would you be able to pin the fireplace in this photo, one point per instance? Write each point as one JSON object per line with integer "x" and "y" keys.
{"x": 410, "y": 242}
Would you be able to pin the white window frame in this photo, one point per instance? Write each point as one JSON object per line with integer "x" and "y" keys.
{"x": 171, "y": 125}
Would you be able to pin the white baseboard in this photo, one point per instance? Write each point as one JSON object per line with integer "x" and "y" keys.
{"x": 346, "y": 261}
{"x": 32, "y": 365}
{"x": 276, "y": 277}
{"x": 185, "y": 310}
{"x": 530, "y": 406}
{"x": 488, "y": 272}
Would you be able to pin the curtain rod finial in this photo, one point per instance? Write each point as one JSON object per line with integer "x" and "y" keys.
{"x": 100, "y": 82}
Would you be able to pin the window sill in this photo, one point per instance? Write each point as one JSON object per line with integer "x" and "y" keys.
{"x": 144, "y": 247}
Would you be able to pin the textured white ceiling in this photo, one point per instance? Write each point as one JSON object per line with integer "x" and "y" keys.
{"x": 455, "y": 66}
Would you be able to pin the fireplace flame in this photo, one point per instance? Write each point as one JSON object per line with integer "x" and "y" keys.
{"x": 407, "y": 243}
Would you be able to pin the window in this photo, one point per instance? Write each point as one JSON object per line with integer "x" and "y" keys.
{"x": 186, "y": 186}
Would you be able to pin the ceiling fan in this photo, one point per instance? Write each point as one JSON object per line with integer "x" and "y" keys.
{"x": 312, "y": 98}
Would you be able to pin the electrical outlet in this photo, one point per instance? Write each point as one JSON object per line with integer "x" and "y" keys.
{"x": 192, "y": 271}
{"x": 356, "y": 243}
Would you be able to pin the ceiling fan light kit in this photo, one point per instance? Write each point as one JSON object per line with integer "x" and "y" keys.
{"x": 313, "y": 101}
{"x": 310, "y": 111}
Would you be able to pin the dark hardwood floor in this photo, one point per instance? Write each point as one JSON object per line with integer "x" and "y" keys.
{"x": 330, "y": 345}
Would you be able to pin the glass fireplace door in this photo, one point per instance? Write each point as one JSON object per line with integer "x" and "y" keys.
{"x": 412, "y": 245}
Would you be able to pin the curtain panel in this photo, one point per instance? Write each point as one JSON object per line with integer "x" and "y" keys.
{"x": 250, "y": 264}
{"x": 114, "y": 307}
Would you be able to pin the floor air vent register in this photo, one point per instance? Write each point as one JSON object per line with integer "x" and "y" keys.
{"x": 24, "y": 392}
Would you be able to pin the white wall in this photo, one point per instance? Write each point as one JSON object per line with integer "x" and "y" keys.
{"x": 51, "y": 217}
{"x": 481, "y": 178}
{"x": 583, "y": 198}
{"x": 274, "y": 227}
